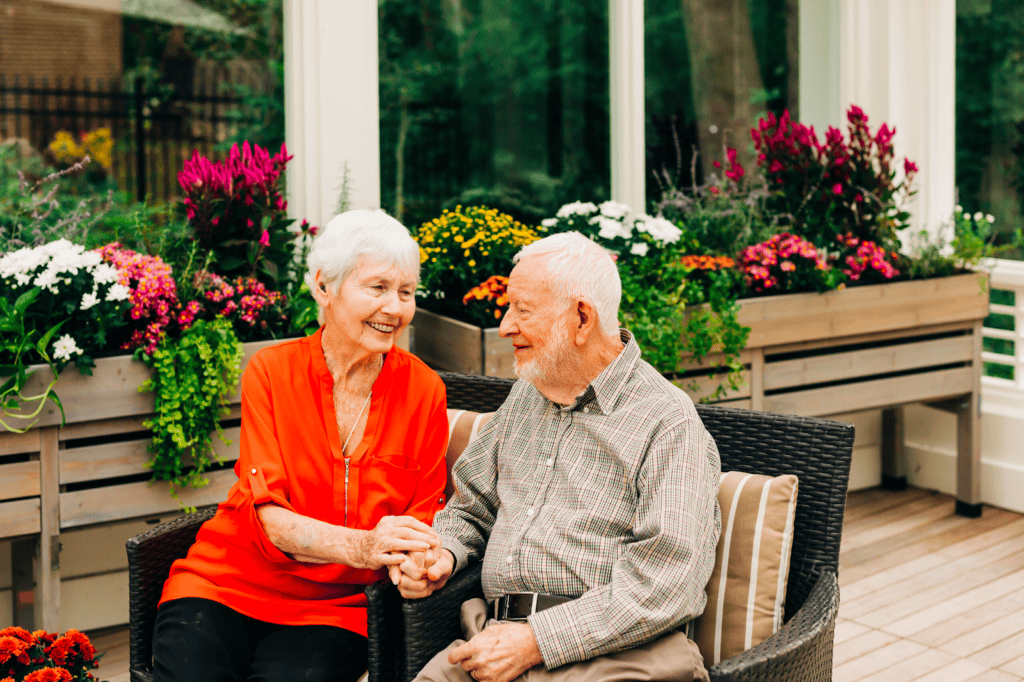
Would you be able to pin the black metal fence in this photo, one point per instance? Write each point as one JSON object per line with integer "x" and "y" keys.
{"x": 153, "y": 130}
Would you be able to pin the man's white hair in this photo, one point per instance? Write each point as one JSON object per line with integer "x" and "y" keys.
{"x": 579, "y": 267}
{"x": 352, "y": 235}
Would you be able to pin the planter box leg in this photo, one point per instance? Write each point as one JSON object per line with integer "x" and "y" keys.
{"x": 968, "y": 458}
{"x": 894, "y": 460}
{"x": 47, "y": 567}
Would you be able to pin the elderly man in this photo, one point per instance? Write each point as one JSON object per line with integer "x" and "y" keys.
{"x": 593, "y": 491}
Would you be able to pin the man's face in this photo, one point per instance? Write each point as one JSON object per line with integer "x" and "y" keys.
{"x": 536, "y": 321}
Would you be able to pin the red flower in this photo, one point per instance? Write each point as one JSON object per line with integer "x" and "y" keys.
{"x": 909, "y": 167}
{"x": 837, "y": 189}
{"x": 11, "y": 647}
{"x": 265, "y": 238}
{"x": 49, "y": 675}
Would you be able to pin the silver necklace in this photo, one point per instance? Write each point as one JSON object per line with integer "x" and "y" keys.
{"x": 344, "y": 448}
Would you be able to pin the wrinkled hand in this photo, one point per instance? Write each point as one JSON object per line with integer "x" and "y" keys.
{"x": 422, "y": 573}
{"x": 501, "y": 652}
{"x": 394, "y": 536}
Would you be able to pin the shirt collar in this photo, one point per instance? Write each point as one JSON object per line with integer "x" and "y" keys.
{"x": 602, "y": 393}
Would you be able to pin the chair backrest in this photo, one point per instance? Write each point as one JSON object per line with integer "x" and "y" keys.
{"x": 817, "y": 451}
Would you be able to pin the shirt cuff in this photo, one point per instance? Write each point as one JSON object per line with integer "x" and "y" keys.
{"x": 558, "y": 636}
{"x": 458, "y": 551}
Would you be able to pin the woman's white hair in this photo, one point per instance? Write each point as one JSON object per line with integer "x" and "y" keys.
{"x": 579, "y": 267}
{"x": 352, "y": 235}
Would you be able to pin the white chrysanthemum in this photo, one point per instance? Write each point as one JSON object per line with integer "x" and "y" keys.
{"x": 549, "y": 222}
{"x": 118, "y": 292}
{"x": 65, "y": 347}
{"x": 639, "y": 249}
{"x": 660, "y": 228}
{"x": 576, "y": 208}
{"x": 47, "y": 279}
{"x": 609, "y": 229}
{"x": 613, "y": 209}
{"x": 105, "y": 273}
{"x": 990, "y": 218}
{"x": 89, "y": 300}
{"x": 979, "y": 216}
{"x": 958, "y": 208}
{"x": 22, "y": 262}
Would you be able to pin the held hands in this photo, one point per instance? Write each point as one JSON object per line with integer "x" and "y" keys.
{"x": 392, "y": 540}
{"x": 422, "y": 573}
{"x": 501, "y": 652}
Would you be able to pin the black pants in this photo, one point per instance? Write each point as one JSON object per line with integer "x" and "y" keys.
{"x": 198, "y": 640}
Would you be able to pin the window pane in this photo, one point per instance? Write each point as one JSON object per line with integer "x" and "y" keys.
{"x": 712, "y": 68}
{"x": 497, "y": 102}
{"x": 990, "y": 110}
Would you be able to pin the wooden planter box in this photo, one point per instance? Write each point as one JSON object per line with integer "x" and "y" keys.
{"x": 878, "y": 346}
{"x": 92, "y": 469}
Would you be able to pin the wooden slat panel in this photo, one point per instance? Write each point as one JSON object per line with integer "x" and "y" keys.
{"x": 871, "y": 394}
{"x": 97, "y": 462}
{"x": 131, "y": 500}
{"x": 499, "y": 355}
{"x": 794, "y": 318}
{"x": 19, "y": 479}
{"x": 107, "y": 427}
{"x": 111, "y": 392}
{"x": 20, "y": 517}
{"x": 742, "y": 404}
{"x": 837, "y": 366}
{"x": 687, "y": 363}
{"x": 448, "y": 344}
{"x": 18, "y": 443}
{"x": 871, "y": 338}
{"x": 707, "y": 385}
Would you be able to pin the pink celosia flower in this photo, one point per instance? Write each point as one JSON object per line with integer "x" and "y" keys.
{"x": 265, "y": 238}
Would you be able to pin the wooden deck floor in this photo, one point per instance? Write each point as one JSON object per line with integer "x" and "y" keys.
{"x": 926, "y": 595}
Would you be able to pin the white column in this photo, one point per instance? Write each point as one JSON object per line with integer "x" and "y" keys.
{"x": 819, "y": 63}
{"x": 331, "y": 105}
{"x": 897, "y": 62}
{"x": 626, "y": 83}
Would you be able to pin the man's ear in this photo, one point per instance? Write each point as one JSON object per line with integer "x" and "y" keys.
{"x": 585, "y": 319}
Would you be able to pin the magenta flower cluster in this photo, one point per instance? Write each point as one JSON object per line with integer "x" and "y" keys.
{"x": 769, "y": 264}
{"x": 846, "y": 184}
{"x": 868, "y": 256}
{"x": 248, "y": 175}
{"x": 247, "y": 297}
{"x": 154, "y": 295}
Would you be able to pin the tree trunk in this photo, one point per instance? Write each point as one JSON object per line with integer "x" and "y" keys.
{"x": 724, "y": 74}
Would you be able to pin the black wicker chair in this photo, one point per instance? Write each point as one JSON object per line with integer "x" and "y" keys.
{"x": 404, "y": 635}
{"x": 816, "y": 450}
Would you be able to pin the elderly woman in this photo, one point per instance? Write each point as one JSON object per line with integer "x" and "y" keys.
{"x": 341, "y": 469}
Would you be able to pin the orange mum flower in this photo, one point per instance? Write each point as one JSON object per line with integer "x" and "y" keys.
{"x": 11, "y": 647}
{"x": 707, "y": 262}
{"x": 49, "y": 675}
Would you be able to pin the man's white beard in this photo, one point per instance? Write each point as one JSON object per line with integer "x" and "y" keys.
{"x": 554, "y": 359}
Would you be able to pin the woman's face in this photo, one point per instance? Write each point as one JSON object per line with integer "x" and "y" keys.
{"x": 372, "y": 306}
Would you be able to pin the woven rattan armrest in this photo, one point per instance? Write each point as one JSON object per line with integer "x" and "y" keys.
{"x": 150, "y": 556}
{"x": 801, "y": 651}
{"x": 430, "y": 625}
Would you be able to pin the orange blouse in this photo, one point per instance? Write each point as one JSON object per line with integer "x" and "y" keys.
{"x": 291, "y": 455}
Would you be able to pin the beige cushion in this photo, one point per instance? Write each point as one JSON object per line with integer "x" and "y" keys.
{"x": 463, "y": 426}
{"x": 747, "y": 590}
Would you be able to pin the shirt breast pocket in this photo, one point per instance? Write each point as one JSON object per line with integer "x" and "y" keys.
{"x": 387, "y": 486}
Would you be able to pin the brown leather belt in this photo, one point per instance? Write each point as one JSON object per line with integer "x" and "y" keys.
{"x": 520, "y": 605}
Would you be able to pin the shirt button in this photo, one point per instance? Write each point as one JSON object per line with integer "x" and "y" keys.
{"x": 508, "y": 559}
{"x": 550, "y": 462}
{"x": 253, "y": 471}
{"x": 529, "y": 512}
{"x": 586, "y": 409}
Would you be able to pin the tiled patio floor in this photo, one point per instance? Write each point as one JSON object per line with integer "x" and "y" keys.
{"x": 926, "y": 595}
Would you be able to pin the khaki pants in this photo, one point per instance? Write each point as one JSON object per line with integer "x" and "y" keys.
{"x": 671, "y": 658}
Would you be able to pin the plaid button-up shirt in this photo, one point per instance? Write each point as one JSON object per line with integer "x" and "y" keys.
{"x": 612, "y": 500}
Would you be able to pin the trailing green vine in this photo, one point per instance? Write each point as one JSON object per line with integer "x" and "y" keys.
{"x": 194, "y": 378}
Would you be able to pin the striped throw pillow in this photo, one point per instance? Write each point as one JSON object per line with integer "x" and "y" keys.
{"x": 463, "y": 426}
{"x": 747, "y": 589}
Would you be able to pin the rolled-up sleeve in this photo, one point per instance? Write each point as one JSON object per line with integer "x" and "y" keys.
{"x": 262, "y": 477}
{"x": 659, "y": 579}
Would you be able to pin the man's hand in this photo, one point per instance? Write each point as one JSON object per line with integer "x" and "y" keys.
{"x": 422, "y": 573}
{"x": 499, "y": 653}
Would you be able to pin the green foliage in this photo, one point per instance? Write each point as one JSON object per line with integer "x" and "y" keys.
{"x": 18, "y": 342}
{"x": 194, "y": 378}
{"x": 973, "y": 242}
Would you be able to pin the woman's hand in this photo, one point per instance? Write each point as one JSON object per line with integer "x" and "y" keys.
{"x": 394, "y": 536}
{"x": 422, "y": 573}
